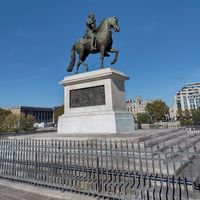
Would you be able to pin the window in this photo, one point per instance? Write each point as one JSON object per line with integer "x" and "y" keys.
{"x": 192, "y": 105}
{"x": 185, "y": 102}
{"x": 178, "y": 104}
{"x": 198, "y": 102}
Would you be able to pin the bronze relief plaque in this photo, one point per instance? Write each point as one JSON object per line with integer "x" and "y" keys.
{"x": 91, "y": 96}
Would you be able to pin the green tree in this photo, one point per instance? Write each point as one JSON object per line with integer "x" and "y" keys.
{"x": 179, "y": 114}
{"x": 26, "y": 123}
{"x": 143, "y": 118}
{"x": 11, "y": 123}
{"x": 18, "y": 123}
{"x": 185, "y": 117}
{"x": 196, "y": 117}
{"x": 58, "y": 112}
{"x": 157, "y": 110}
{"x": 3, "y": 114}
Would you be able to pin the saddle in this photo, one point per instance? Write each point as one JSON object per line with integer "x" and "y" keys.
{"x": 86, "y": 40}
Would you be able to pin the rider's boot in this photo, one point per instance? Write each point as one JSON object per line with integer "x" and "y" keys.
{"x": 93, "y": 45}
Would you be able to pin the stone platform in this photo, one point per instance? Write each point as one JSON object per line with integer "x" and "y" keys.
{"x": 94, "y": 103}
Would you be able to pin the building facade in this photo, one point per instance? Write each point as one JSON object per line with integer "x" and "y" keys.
{"x": 40, "y": 114}
{"x": 188, "y": 98}
{"x": 137, "y": 105}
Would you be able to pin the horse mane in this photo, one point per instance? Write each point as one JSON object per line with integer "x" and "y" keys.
{"x": 102, "y": 22}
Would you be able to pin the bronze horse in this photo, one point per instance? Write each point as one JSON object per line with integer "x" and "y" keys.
{"x": 103, "y": 45}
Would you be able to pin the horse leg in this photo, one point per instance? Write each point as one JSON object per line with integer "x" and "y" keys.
{"x": 78, "y": 65}
{"x": 116, "y": 51}
{"x": 102, "y": 51}
{"x": 85, "y": 65}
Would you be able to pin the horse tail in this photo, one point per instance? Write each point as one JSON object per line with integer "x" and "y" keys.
{"x": 73, "y": 58}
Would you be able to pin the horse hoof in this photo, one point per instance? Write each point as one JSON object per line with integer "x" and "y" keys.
{"x": 67, "y": 69}
{"x": 112, "y": 63}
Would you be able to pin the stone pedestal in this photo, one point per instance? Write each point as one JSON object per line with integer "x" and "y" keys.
{"x": 94, "y": 103}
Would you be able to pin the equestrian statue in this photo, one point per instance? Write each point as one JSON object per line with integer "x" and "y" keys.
{"x": 96, "y": 40}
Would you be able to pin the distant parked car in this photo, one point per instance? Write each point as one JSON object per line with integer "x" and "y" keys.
{"x": 39, "y": 125}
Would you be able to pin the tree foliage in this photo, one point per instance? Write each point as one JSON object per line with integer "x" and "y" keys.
{"x": 188, "y": 118}
{"x": 157, "y": 110}
{"x": 3, "y": 114}
{"x": 26, "y": 123}
{"x": 185, "y": 117}
{"x": 58, "y": 112}
{"x": 143, "y": 118}
{"x": 17, "y": 123}
{"x": 196, "y": 117}
{"x": 11, "y": 123}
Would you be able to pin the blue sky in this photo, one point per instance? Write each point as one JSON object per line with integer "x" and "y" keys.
{"x": 159, "y": 46}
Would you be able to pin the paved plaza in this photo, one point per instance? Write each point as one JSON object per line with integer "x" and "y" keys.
{"x": 18, "y": 191}
{"x": 136, "y": 135}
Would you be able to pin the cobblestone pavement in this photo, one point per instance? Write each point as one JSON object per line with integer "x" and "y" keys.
{"x": 18, "y": 191}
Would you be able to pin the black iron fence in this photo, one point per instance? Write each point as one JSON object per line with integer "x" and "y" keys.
{"x": 109, "y": 169}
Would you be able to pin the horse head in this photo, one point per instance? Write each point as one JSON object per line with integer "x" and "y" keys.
{"x": 108, "y": 24}
{"x": 114, "y": 23}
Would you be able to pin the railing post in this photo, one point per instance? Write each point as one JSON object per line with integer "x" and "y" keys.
{"x": 98, "y": 176}
{"x": 35, "y": 174}
{"x": 13, "y": 164}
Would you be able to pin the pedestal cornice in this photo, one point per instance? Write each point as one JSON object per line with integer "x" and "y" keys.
{"x": 94, "y": 76}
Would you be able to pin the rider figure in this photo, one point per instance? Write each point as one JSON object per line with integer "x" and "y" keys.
{"x": 91, "y": 30}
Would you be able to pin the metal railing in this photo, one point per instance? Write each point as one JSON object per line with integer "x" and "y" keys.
{"x": 109, "y": 169}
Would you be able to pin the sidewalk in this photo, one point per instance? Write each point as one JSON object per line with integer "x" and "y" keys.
{"x": 19, "y": 191}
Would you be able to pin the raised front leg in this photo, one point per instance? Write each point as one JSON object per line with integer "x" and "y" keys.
{"x": 78, "y": 65}
{"x": 102, "y": 51}
{"x": 116, "y": 51}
